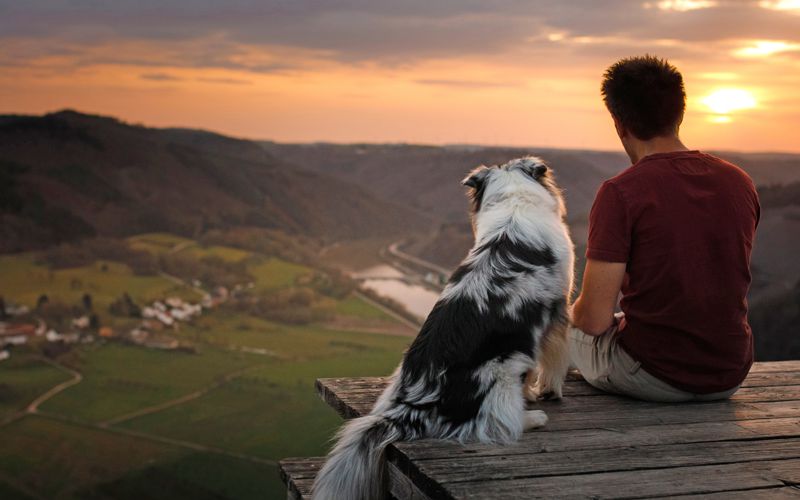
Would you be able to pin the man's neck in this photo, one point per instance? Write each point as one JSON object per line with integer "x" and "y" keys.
{"x": 637, "y": 149}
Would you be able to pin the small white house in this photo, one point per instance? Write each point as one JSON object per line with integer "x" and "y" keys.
{"x": 53, "y": 336}
{"x": 165, "y": 318}
{"x": 82, "y": 322}
{"x": 174, "y": 302}
{"x": 14, "y": 339}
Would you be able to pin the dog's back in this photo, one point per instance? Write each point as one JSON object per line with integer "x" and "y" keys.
{"x": 462, "y": 377}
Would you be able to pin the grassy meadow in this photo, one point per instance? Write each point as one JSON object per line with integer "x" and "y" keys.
{"x": 147, "y": 423}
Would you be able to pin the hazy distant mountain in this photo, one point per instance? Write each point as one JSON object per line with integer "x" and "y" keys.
{"x": 67, "y": 175}
{"x": 428, "y": 177}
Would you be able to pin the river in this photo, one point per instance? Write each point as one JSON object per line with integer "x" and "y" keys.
{"x": 390, "y": 282}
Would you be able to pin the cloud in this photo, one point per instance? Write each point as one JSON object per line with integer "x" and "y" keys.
{"x": 160, "y": 77}
{"x": 275, "y": 37}
{"x": 225, "y": 81}
{"x": 465, "y": 83}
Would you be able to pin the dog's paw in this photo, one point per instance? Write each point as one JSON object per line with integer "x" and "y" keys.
{"x": 547, "y": 392}
{"x": 535, "y": 419}
{"x": 548, "y": 396}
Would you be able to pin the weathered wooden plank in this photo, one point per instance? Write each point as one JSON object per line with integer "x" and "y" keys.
{"x": 298, "y": 474}
{"x": 637, "y": 484}
{"x": 595, "y": 439}
{"x": 353, "y": 396}
{"x": 533, "y": 465}
{"x": 776, "y": 366}
{"x": 401, "y": 487}
{"x": 614, "y": 418}
{"x": 615, "y": 412}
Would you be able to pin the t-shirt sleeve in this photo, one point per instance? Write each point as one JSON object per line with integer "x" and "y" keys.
{"x": 609, "y": 227}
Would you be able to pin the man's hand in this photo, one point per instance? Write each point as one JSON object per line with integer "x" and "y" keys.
{"x": 593, "y": 312}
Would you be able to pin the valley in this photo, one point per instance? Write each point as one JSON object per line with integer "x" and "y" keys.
{"x": 169, "y": 296}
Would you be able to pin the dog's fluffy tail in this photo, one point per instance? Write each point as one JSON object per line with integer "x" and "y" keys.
{"x": 355, "y": 467}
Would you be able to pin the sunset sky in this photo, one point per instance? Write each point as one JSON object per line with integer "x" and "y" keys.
{"x": 495, "y": 72}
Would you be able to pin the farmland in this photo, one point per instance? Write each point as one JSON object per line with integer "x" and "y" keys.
{"x": 209, "y": 422}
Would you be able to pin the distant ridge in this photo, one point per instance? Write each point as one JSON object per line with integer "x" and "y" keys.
{"x": 68, "y": 175}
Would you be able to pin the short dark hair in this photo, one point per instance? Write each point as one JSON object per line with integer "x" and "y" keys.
{"x": 646, "y": 95}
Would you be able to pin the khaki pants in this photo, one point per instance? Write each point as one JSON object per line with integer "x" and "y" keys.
{"x": 606, "y": 366}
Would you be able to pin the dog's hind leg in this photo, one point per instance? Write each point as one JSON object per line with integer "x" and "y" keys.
{"x": 528, "y": 387}
{"x": 552, "y": 363}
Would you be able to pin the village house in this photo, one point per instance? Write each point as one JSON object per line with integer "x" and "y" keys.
{"x": 16, "y": 334}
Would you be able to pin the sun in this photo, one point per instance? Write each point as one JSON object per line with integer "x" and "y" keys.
{"x": 725, "y": 101}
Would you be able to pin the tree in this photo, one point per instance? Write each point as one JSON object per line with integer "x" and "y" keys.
{"x": 42, "y": 300}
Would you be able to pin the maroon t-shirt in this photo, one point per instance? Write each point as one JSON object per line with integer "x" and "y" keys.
{"x": 684, "y": 223}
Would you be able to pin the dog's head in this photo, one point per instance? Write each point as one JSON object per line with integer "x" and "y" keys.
{"x": 528, "y": 177}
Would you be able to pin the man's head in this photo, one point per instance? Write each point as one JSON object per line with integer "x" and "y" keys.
{"x": 646, "y": 98}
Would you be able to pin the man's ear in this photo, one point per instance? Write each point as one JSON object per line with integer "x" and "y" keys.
{"x": 476, "y": 178}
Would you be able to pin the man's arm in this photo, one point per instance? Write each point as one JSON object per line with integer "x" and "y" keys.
{"x": 593, "y": 312}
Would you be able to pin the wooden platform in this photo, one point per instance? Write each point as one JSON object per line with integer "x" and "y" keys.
{"x": 602, "y": 446}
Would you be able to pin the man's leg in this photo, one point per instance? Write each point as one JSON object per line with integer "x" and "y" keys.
{"x": 605, "y": 365}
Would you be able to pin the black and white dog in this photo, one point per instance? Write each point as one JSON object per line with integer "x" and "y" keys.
{"x": 503, "y": 312}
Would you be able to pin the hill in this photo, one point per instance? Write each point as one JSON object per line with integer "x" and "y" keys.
{"x": 68, "y": 175}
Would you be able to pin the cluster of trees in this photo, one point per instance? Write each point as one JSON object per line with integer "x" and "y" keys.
{"x": 779, "y": 195}
{"x": 272, "y": 242}
{"x": 296, "y": 305}
{"x": 210, "y": 270}
{"x": 125, "y": 306}
{"x": 87, "y": 251}
{"x": 59, "y": 315}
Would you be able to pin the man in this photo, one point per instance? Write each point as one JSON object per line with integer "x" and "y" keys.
{"x": 673, "y": 233}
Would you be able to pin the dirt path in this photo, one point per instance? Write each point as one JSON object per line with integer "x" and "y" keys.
{"x": 175, "y": 402}
{"x": 33, "y": 407}
{"x": 159, "y": 439}
{"x": 393, "y": 250}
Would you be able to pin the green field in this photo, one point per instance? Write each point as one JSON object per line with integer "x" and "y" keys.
{"x": 272, "y": 411}
{"x": 130, "y": 378}
{"x": 22, "y": 379}
{"x": 24, "y": 281}
{"x": 354, "y": 306}
{"x": 272, "y": 273}
{"x": 266, "y": 410}
{"x": 157, "y": 242}
{"x": 56, "y": 459}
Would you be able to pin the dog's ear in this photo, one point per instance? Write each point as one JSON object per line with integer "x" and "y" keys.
{"x": 476, "y": 178}
{"x": 535, "y": 170}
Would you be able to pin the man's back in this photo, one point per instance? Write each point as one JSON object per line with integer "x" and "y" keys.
{"x": 684, "y": 223}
